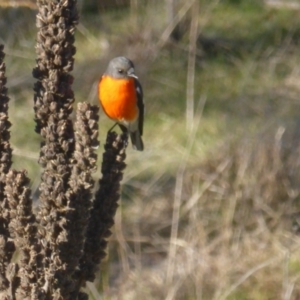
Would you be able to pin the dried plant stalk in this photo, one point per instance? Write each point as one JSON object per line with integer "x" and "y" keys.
{"x": 6, "y": 247}
{"x": 104, "y": 206}
{"x": 53, "y": 101}
{"x": 69, "y": 231}
{"x": 23, "y": 229}
{"x": 81, "y": 181}
{"x": 81, "y": 184}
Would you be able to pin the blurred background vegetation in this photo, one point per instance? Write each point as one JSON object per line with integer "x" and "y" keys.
{"x": 211, "y": 208}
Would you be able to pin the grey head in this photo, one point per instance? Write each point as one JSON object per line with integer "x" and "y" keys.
{"x": 120, "y": 68}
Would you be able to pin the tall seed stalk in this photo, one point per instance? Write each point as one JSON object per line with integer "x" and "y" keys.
{"x": 60, "y": 247}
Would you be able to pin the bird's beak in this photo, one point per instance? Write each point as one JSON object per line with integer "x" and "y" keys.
{"x": 130, "y": 73}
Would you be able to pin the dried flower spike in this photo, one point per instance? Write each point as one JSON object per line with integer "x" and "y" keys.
{"x": 104, "y": 206}
{"x": 23, "y": 229}
{"x": 53, "y": 100}
{"x": 6, "y": 247}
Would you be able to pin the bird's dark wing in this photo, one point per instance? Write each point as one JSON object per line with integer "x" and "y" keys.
{"x": 140, "y": 104}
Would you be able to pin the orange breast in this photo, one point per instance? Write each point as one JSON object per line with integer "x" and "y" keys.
{"x": 118, "y": 98}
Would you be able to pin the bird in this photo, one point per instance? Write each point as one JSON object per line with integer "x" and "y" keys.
{"x": 121, "y": 97}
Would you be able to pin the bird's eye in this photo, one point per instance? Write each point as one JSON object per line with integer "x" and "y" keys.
{"x": 120, "y": 71}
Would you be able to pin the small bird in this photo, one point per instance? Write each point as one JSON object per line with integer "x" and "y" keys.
{"x": 121, "y": 97}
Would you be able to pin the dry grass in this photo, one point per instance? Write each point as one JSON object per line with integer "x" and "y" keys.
{"x": 208, "y": 214}
{"x": 236, "y": 221}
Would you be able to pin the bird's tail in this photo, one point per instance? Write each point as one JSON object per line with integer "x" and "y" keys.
{"x": 136, "y": 140}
